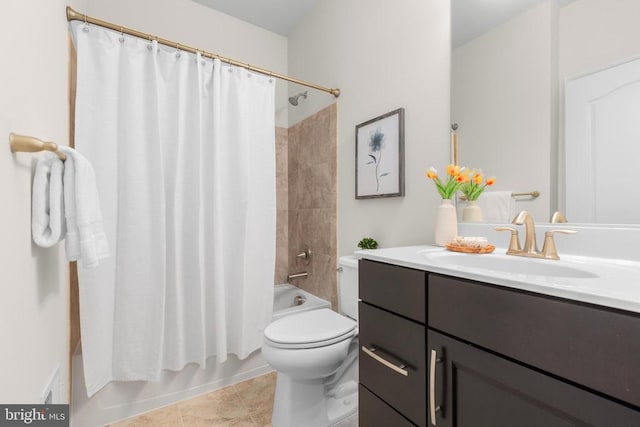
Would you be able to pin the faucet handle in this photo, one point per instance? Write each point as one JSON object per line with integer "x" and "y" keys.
{"x": 514, "y": 242}
{"x": 549, "y": 249}
{"x": 557, "y": 217}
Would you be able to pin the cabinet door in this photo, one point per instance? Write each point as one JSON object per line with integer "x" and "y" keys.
{"x": 475, "y": 388}
{"x": 392, "y": 361}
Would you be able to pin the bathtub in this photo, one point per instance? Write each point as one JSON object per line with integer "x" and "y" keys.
{"x": 119, "y": 400}
{"x": 289, "y": 299}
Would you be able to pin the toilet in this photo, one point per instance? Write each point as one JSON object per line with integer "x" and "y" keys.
{"x": 316, "y": 356}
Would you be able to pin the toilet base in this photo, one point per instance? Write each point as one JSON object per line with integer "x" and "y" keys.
{"x": 306, "y": 403}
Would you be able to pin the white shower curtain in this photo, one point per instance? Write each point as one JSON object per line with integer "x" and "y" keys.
{"x": 183, "y": 150}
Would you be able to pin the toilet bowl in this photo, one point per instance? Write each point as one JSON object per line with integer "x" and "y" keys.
{"x": 315, "y": 354}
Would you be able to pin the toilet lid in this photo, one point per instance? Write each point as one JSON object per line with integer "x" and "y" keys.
{"x": 309, "y": 329}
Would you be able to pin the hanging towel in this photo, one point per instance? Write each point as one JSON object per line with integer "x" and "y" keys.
{"x": 86, "y": 240}
{"x": 47, "y": 202}
{"x": 497, "y": 206}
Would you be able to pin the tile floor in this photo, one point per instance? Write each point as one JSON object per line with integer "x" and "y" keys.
{"x": 246, "y": 404}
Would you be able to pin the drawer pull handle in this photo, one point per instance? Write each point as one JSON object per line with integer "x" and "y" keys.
{"x": 432, "y": 387}
{"x": 398, "y": 368}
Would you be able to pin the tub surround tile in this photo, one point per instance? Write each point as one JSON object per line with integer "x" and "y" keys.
{"x": 313, "y": 200}
{"x": 322, "y": 279}
{"x": 282, "y": 246}
{"x": 315, "y": 187}
{"x": 282, "y": 206}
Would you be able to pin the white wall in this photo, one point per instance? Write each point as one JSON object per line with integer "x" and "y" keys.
{"x": 504, "y": 102}
{"x": 193, "y": 24}
{"x": 33, "y": 101}
{"x": 597, "y": 33}
{"x": 382, "y": 57}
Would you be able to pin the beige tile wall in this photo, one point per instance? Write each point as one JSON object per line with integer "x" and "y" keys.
{"x": 312, "y": 195}
{"x": 282, "y": 206}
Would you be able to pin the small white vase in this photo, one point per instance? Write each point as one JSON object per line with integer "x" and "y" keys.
{"x": 471, "y": 212}
{"x": 446, "y": 223}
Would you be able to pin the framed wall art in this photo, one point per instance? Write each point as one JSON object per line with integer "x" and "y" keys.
{"x": 380, "y": 156}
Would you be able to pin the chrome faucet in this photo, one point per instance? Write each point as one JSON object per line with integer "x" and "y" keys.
{"x": 530, "y": 248}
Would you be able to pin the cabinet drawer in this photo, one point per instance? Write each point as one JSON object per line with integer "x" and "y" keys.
{"x": 400, "y": 342}
{"x": 586, "y": 344}
{"x": 373, "y": 412}
{"x": 398, "y": 289}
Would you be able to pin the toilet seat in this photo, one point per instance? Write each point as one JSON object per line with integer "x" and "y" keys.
{"x": 311, "y": 329}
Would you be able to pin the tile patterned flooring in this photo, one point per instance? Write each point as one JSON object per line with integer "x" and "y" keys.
{"x": 246, "y": 404}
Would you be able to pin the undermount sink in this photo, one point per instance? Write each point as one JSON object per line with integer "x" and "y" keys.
{"x": 507, "y": 264}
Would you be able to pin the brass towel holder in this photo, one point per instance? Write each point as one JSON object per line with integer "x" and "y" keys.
{"x": 30, "y": 144}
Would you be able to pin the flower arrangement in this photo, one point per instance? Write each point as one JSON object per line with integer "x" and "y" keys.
{"x": 470, "y": 183}
{"x": 455, "y": 179}
{"x": 474, "y": 184}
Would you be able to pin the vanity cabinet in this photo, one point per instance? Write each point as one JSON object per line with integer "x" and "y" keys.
{"x": 392, "y": 338}
{"x": 491, "y": 355}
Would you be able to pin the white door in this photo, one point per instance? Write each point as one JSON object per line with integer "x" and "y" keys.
{"x": 602, "y": 146}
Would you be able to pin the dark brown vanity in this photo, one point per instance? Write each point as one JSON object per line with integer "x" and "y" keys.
{"x": 440, "y": 350}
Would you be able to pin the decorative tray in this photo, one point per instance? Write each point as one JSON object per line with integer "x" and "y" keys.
{"x": 468, "y": 250}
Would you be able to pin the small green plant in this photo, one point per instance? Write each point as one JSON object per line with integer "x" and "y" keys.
{"x": 368, "y": 243}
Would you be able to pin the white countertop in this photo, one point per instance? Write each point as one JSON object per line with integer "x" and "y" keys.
{"x": 610, "y": 283}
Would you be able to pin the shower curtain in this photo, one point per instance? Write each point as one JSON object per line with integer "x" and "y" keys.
{"x": 183, "y": 150}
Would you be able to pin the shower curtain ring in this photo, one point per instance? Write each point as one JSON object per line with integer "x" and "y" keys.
{"x": 86, "y": 25}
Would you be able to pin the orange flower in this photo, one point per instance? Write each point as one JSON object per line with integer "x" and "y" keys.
{"x": 453, "y": 170}
{"x": 432, "y": 173}
{"x": 473, "y": 188}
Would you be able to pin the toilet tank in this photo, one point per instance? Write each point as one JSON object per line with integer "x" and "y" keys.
{"x": 348, "y": 286}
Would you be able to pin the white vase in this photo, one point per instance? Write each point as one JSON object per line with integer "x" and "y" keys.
{"x": 446, "y": 223}
{"x": 471, "y": 212}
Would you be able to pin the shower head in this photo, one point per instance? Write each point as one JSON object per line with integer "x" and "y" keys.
{"x": 293, "y": 100}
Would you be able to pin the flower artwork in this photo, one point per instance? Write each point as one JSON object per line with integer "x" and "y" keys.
{"x": 474, "y": 184}
{"x": 376, "y": 144}
{"x": 380, "y": 156}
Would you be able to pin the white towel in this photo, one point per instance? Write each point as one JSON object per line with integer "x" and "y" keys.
{"x": 47, "y": 202}
{"x": 497, "y": 206}
{"x": 86, "y": 240}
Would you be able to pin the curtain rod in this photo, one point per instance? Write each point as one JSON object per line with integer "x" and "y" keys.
{"x": 72, "y": 15}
